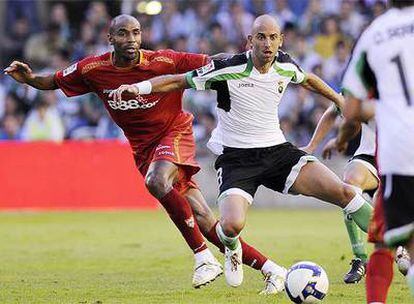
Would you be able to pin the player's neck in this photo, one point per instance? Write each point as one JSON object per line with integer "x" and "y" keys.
{"x": 262, "y": 67}
{"x": 122, "y": 62}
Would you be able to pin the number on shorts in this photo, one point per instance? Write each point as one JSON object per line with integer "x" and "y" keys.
{"x": 220, "y": 176}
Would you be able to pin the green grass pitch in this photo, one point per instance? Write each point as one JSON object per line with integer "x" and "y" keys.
{"x": 139, "y": 257}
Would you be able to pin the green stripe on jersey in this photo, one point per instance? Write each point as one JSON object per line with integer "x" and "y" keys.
{"x": 245, "y": 73}
{"x": 286, "y": 73}
{"x": 366, "y": 74}
{"x": 189, "y": 79}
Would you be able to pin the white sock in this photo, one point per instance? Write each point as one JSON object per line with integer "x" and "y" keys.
{"x": 270, "y": 266}
{"x": 357, "y": 202}
{"x": 203, "y": 256}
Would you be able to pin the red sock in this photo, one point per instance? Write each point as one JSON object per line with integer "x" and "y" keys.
{"x": 379, "y": 275}
{"x": 181, "y": 214}
{"x": 251, "y": 256}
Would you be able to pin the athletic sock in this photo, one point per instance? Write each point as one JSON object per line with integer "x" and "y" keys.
{"x": 410, "y": 279}
{"x": 379, "y": 275}
{"x": 271, "y": 267}
{"x": 230, "y": 242}
{"x": 181, "y": 214}
{"x": 251, "y": 256}
{"x": 356, "y": 238}
{"x": 203, "y": 256}
{"x": 360, "y": 210}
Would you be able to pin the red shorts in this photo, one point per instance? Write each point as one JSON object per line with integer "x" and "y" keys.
{"x": 178, "y": 147}
{"x": 376, "y": 227}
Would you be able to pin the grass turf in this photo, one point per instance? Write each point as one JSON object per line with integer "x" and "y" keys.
{"x": 139, "y": 257}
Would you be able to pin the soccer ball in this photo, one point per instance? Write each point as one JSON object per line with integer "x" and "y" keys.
{"x": 306, "y": 282}
{"x": 402, "y": 259}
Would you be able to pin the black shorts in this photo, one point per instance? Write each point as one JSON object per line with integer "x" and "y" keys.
{"x": 398, "y": 199}
{"x": 242, "y": 171}
{"x": 370, "y": 163}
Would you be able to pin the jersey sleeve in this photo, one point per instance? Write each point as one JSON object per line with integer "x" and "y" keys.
{"x": 202, "y": 78}
{"x": 359, "y": 80}
{"x": 299, "y": 75}
{"x": 185, "y": 62}
{"x": 70, "y": 80}
{"x": 286, "y": 66}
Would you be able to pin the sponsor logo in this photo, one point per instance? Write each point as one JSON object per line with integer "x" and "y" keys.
{"x": 132, "y": 104}
{"x": 205, "y": 69}
{"x": 245, "y": 85}
{"x": 190, "y": 222}
{"x": 70, "y": 69}
{"x": 165, "y": 153}
{"x": 162, "y": 147}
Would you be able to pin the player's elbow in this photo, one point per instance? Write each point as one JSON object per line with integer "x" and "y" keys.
{"x": 180, "y": 82}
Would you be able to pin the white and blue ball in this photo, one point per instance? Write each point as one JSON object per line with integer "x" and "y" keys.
{"x": 306, "y": 282}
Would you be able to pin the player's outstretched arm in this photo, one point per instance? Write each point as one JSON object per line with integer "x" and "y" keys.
{"x": 160, "y": 84}
{"x": 323, "y": 127}
{"x": 317, "y": 85}
{"x": 22, "y": 73}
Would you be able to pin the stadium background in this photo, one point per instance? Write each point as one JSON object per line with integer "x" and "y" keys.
{"x": 76, "y": 158}
{"x": 49, "y": 35}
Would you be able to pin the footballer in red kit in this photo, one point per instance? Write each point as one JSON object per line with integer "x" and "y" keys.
{"x": 156, "y": 126}
{"x": 160, "y": 134}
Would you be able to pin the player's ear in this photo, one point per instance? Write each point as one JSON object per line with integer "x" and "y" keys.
{"x": 281, "y": 40}
{"x": 250, "y": 41}
{"x": 110, "y": 39}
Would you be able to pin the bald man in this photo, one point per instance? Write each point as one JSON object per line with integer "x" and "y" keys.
{"x": 159, "y": 132}
{"x": 250, "y": 145}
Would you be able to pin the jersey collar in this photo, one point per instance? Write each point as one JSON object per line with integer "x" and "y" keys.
{"x": 140, "y": 56}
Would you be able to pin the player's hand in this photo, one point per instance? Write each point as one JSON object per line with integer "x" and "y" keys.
{"x": 125, "y": 88}
{"x": 329, "y": 148}
{"x": 19, "y": 71}
{"x": 341, "y": 147}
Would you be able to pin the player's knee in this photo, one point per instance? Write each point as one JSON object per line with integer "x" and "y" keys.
{"x": 354, "y": 179}
{"x": 157, "y": 184}
{"x": 231, "y": 227}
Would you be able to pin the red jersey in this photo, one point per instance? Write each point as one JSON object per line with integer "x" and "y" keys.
{"x": 145, "y": 119}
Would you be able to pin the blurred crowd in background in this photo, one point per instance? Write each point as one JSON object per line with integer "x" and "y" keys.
{"x": 49, "y": 35}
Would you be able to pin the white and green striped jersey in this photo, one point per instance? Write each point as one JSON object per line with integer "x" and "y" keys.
{"x": 382, "y": 66}
{"x": 247, "y": 101}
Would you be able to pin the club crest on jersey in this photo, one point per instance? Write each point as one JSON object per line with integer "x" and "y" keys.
{"x": 280, "y": 87}
{"x": 205, "y": 69}
{"x": 190, "y": 222}
{"x": 70, "y": 69}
